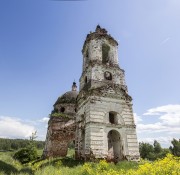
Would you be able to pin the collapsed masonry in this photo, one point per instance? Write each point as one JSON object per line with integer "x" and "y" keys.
{"x": 61, "y": 125}
{"x": 99, "y": 118}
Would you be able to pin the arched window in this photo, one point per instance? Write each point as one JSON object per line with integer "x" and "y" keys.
{"x": 113, "y": 118}
{"x": 108, "y": 75}
{"x": 105, "y": 53}
{"x": 62, "y": 109}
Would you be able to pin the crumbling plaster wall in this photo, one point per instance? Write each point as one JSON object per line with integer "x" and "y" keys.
{"x": 97, "y": 127}
{"x": 96, "y": 73}
{"x": 95, "y": 50}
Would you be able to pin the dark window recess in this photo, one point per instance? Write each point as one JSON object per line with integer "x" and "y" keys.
{"x": 85, "y": 79}
{"x": 75, "y": 110}
{"x": 62, "y": 109}
{"x": 108, "y": 75}
{"x": 113, "y": 118}
{"x": 105, "y": 53}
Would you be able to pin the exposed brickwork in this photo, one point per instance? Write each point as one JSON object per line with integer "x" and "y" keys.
{"x": 61, "y": 126}
{"x": 60, "y": 132}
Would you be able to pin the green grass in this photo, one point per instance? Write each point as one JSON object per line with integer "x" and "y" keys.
{"x": 56, "y": 166}
{"x": 39, "y": 151}
{"x": 10, "y": 166}
{"x": 70, "y": 153}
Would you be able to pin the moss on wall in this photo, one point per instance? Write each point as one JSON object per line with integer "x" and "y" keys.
{"x": 59, "y": 114}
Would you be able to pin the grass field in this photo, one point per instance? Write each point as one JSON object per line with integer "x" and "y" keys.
{"x": 68, "y": 166}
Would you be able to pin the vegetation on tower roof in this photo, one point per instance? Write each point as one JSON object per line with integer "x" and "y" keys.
{"x": 59, "y": 114}
{"x": 68, "y": 97}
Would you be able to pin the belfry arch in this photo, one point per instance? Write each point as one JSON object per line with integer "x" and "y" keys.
{"x": 115, "y": 151}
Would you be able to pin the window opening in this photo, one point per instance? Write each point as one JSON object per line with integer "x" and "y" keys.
{"x": 62, "y": 109}
{"x": 87, "y": 54}
{"x": 85, "y": 79}
{"x": 108, "y": 75}
{"x": 105, "y": 53}
{"x": 113, "y": 118}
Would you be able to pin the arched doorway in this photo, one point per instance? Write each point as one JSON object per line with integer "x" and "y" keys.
{"x": 114, "y": 145}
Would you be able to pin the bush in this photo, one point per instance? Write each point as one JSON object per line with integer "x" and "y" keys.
{"x": 25, "y": 155}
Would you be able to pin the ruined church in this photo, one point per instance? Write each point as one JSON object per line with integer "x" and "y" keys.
{"x": 99, "y": 118}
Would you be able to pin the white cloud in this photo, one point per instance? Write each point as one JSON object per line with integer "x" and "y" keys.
{"x": 137, "y": 118}
{"x": 163, "y": 109}
{"x": 168, "y": 115}
{"x": 44, "y": 120}
{"x": 164, "y": 140}
{"x": 157, "y": 128}
{"x": 11, "y": 127}
{"x": 163, "y": 123}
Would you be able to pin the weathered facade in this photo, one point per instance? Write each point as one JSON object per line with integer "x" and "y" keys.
{"x": 103, "y": 120}
{"x": 61, "y": 125}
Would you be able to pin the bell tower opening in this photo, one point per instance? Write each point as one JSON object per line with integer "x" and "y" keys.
{"x": 105, "y": 53}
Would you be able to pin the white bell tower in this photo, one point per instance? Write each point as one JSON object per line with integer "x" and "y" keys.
{"x": 105, "y": 123}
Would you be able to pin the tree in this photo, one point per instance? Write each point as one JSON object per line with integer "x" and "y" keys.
{"x": 25, "y": 155}
{"x": 152, "y": 152}
{"x": 175, "y": 148}
{"x": 157, "y": 147}
{"x": 15, "y": 144}
{"x": 29, "y": 153}
{"x": 146, "y": 150}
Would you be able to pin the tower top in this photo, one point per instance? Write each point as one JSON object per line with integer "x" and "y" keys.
{"x": 98, "y": 34}
{"x": 74, "y": 87}
{"x": 100, "y": 30}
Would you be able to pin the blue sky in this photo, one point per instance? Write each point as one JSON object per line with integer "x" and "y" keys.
{"x": 40, "y": 56}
